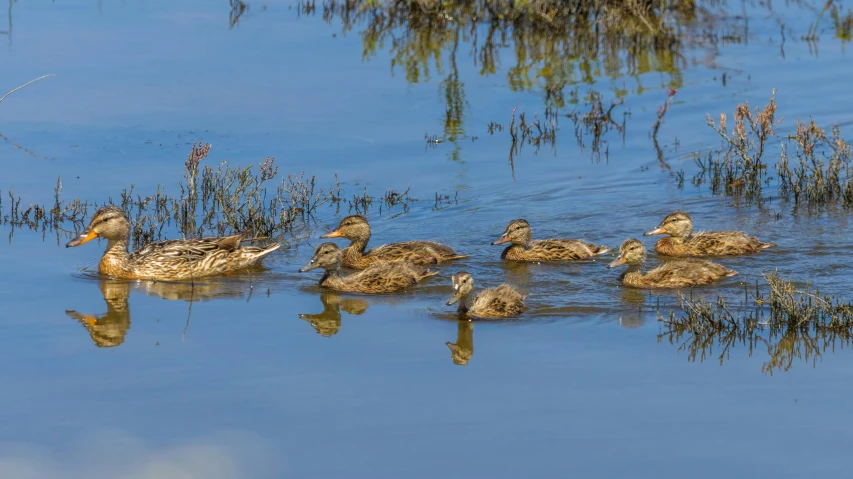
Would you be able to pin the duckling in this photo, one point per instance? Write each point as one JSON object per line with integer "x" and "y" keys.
{"x": 672, "y": 274}
{"x": 167, "y": 260}
{"x": 356, "y": 229}
{"x": 499, "y": 302}
{"x": 523, "y": 249}
{"x": 682, "y": 241}
{"x": 375, "y": 279}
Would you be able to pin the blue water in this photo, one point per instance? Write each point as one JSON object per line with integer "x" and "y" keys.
{"x": 234, "y": 384}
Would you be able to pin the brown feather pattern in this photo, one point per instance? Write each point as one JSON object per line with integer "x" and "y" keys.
{"x": 168, "y": 260}
{"x": 672, "y": 274}
{"x": 356, "y": 229}
{"x": 683, "y": 242}
{"x": 523, "y": 248}
{"x": 500, "y": 302}
{"x": 377, "y": 278}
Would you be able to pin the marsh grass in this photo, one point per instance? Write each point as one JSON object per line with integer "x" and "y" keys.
{"x": 213, "y": 201}
{"x": 813, "y": 169}
{"x": 793, "y": 324}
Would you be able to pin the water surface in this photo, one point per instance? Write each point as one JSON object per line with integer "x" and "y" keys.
{"x": 230, "y": 378}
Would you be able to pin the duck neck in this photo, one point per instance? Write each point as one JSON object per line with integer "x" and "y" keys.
{"x": 359, "y": 243}
{"x": 116, "y": 258}
{"x": 634, "y": 272}
{"x": 331, "y": 277}
{"x": 464, "y": 303}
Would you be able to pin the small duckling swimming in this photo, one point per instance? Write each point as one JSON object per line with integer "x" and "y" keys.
{"x": 672, "y": 274}
{"x": 682, "y": 241}
{"x": 167, "y": 260}
{"x": 356, "y": 229}
{"x": 375, "y": 279}
{"x": 519, "y": 234}
{"x": 499, "y": 302}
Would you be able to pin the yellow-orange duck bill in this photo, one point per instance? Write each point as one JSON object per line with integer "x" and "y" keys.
{"x": 620, "y": 260}
{"x": 83, "y": 238}
{"x": 660, "y": 230}
{"x": 332, "y": 234}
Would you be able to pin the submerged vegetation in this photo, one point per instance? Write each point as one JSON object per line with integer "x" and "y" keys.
{"x": 213, "y": 201}
{"x": 792, "y": 323}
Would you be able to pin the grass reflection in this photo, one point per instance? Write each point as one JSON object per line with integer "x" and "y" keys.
{"x": 794, "y": 324}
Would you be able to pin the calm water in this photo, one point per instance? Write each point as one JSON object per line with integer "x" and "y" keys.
{"x": 107, "y": 379}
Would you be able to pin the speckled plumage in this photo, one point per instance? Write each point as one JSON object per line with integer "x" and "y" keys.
{"x": 500, "y": 302}
{"x": 166, "y": 260}
{"x": 523, "y": 248}
{"x": 683, "y": 242}
{"x": 377, "y": 278}
{"x": 356, "y": 229}
{"x": 672, "y": 274}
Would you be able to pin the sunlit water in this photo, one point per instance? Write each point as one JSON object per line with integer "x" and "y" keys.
{"x": 230, "y": 378}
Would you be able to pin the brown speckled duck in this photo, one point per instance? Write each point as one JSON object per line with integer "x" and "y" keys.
{"x": 683, "y": 242}
{"x": 356, "y": 229}
{"x": 672, "y": 274}
{"x": 375, "y": 279}
{"x": 523, "y": 249}
{"x": 499, "y": 302}
{"x": 167, "y": 260}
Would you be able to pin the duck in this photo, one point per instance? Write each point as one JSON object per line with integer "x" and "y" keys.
{"x": 672, "y": 274}
{"x": 377, "y": 278}
{"x": 683, "y": 242}
{"x": 170, "y": 260}
{"x": 500, "y": 302}
{"x": 356, "y": 229}
{"x": 519, "y": 234}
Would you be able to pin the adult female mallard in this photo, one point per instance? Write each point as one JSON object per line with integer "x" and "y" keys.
{"x": 166, "y": 260}
{"x": 356, "y": 229}
{"x": 518, "y": 233}
{"x": 375, "y": 279}
{"x": 672, "y": 274}
{"x": 499, "y": 302}
{"x": 683, "y": 242}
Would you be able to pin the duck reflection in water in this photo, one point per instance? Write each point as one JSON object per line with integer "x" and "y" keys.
{"x": 637, "y": 298}
{"x": 108, "y": 330}
{"x": 463, "y": 349}
{"x": 328, "y": 323}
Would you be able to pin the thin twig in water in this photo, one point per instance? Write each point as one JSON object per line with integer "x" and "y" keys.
{"x": 27, "y": 84}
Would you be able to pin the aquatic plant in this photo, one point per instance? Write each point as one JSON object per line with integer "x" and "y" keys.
{"x": 213, "y": 201}
{"x": 793, "y": 323}
{"x": 818, "y": 174}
